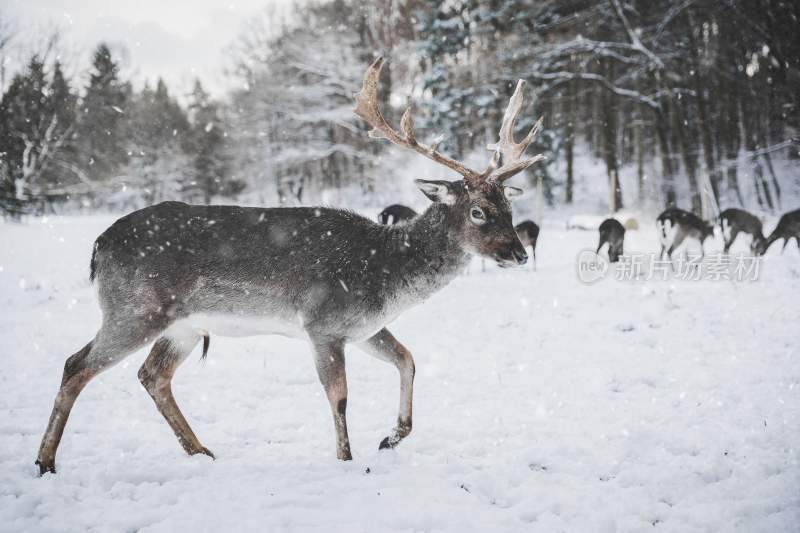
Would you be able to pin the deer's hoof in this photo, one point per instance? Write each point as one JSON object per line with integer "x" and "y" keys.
{"x": 46, "y": 466}
{"x": 204, "y": 451}
{"x": 389, "y": 443}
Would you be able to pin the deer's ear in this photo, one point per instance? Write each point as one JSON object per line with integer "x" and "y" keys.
{"x": 438, "y": 191}
{"x": 512, "y": 192}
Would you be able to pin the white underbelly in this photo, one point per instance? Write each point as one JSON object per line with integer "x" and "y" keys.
{"x": 238, "y": 325}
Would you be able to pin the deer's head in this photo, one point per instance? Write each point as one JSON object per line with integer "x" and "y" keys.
{"x": 759, "y": 245}
{"x": 479, "y": 204}
{"x": 480, "y": 218}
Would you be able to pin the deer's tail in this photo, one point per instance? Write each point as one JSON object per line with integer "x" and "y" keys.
{"x": 206, "y": 343}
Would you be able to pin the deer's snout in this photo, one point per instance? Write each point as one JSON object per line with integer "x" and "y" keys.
{"x": 520, "y": 256}
{"x": 514, "y": 254}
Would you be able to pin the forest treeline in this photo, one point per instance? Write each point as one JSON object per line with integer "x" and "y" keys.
{"x": 707, "y": 92}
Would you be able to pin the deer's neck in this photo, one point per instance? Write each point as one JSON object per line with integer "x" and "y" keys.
{"x": 425, "y": 251}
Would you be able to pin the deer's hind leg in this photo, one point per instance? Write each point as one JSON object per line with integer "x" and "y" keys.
{"x": 115, "y": 340}
{"x": 156, "y": 373}
{"x": 384, "y": 346}
{"x": 729, "y": 242}
{"x": 676, "y": 242}
{"x": 603, "y": 240}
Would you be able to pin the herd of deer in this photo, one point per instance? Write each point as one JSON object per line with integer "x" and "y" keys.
{"x": 171, "y": 274}
{"x": 674, "y": 225}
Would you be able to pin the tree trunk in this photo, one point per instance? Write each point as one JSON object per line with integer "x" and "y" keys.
{"x": 569, "y": 138}
{"x": 596, "y": 129}
{"x": 700, "y": 82}
{"x": 750, "y": 126}
{"x": 768, "y": 160}
{"x": 667, "y": 170}
{"x": 733, "y": 137}
{"x": 686, "y": 140}
{"x": 609, "y": 114}
{"x": 639, "y": 136}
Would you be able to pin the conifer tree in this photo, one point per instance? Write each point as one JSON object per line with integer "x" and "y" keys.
{"x": 101, "y": 117}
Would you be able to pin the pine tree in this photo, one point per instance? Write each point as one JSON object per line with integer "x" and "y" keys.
{"x": 101, "y": 118}
{"x": 34, "y": 127}
{"x": 61, "y": 103}
{"x": 11, "y": 145}
{"x": 447, "y": 27}
{"x": 156, "y": 130}
{"x": 206, "y": 146}
{"x": 61, "y": 100}
{"x": 467, "y": 47}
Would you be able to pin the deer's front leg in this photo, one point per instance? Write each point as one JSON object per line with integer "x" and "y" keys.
{"x": 329, "y": 359}
{"x": 384, "y": 346}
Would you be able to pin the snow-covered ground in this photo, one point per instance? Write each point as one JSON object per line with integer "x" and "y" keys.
{"x": 541, "y": 404}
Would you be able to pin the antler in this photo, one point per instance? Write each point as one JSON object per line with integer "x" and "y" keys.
{"x": 367, "y": 108}
{"x": 511, "y": 150}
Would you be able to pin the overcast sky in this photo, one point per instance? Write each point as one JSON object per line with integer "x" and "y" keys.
{"x": 177, "y": 40}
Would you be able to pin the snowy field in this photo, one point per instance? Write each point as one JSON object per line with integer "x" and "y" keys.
{"x": 541, "y": 405}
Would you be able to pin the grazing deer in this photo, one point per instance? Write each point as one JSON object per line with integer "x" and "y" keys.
{"x": 675, "y": 225}
{"x": 396, "y": 213}
{"x": 173, "y": 272}
{"x": 734, "y": 221}
{"x": 528, "y": 233}
{"x": 788, "y": 227}
{"x": 613, "y": 233}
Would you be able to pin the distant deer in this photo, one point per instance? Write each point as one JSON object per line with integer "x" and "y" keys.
{"x": 788, "y": 228}
{"x": 735, "y": 221}
{"x": 396, "y": 213}
{"x": 675, "y": 225}
{"x": 613, "y": 233}
{"x": 528, "y": 233}
{"x": 175, "y": 272}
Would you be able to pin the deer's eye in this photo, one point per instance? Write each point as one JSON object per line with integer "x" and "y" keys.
{"x": 476, "y": 215}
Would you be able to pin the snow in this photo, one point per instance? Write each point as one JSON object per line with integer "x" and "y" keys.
{"x": 541, "y": 404}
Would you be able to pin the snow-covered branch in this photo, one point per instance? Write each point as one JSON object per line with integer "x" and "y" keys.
{"x": 558, "y": 78}
{"x": 38, "y": 153}
{"x": 634, "y": 38}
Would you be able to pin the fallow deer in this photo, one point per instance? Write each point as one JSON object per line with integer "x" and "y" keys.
{"x": 396, "y": 213}
{"x": 675, "y": 225}
{"x": 734, "y": 221}
{"x": 528, "y": 233}
{"x": 612, "y": 232}
{"x": 173, "y": 272}
{"x": 788, "y": 228}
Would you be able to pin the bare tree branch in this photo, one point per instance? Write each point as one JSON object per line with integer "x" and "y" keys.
{"x": 563, "y": 76}
{"x": 637, "y": 44}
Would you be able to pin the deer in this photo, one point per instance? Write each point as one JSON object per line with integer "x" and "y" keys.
{"x": 613, "y": 233}
{"x": 173, "y": 273}
{"x": 528, "y": 232}
{"x": 395, "y": 214}
{"x": 734, "y": 221}
{"x": 788, "y": 227}
{"x": 675, "y": 225}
